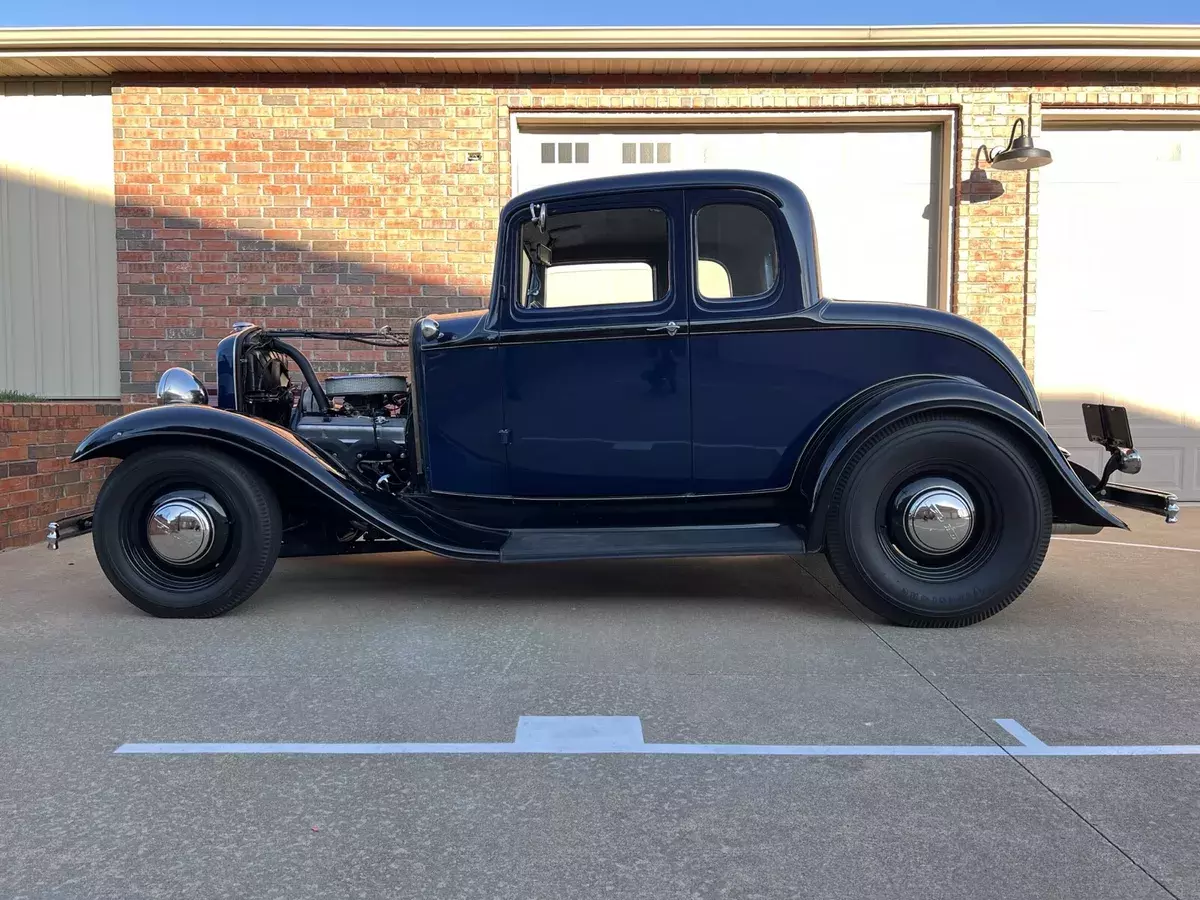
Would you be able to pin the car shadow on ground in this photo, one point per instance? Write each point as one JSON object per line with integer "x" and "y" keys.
{"x": 392, "y": 579}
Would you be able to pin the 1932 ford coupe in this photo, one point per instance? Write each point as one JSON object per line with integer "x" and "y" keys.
{"x": 656, "y": 375}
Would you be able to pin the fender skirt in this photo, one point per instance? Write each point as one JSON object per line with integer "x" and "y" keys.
{"x": 842, "y": 432}
{"x": 405, "y": 518}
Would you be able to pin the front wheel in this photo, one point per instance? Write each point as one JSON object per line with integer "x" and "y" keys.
{"x": 938, "y": 521}
{"x": 183, "y": 533}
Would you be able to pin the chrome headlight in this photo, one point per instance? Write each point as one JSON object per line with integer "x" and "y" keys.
{"x": 180, "y": 385}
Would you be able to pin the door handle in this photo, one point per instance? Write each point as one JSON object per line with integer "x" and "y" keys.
{"x": 670, "y": 328}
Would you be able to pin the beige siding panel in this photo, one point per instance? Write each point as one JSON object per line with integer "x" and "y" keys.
{"x": 58, "y": 270}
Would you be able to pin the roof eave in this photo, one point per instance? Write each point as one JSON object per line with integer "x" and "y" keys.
{"x": 26, "y": 52}
{"x": 591, "y": 38}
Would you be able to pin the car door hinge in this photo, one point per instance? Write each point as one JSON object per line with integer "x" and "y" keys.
{"x": 505, "y": 436}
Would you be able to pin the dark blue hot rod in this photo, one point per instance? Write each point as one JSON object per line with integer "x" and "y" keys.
{"x": 657, "y": 374}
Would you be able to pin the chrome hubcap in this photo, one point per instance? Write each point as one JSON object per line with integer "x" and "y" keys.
{"x": 179, "y": 530}
{"x": 939, "y": 517}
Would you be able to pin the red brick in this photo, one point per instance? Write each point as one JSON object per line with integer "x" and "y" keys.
{"x": 33, "y": 491}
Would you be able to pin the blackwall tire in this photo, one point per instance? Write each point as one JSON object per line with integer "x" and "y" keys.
{"x": 241, "y": 530}
{"x": 887, "y": 540}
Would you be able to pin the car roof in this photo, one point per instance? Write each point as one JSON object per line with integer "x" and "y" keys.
{"x": 780, "y": 189}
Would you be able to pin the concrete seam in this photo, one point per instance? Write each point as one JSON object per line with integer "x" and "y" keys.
{"x": 1020, "y": 762}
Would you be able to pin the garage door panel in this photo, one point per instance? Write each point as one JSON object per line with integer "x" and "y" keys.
{"x": 1162, "y": 465}
{"x": 1165, "y": 464}
{"x": 1118, "y": 300}
{"x": 1150, "y": 424}
{"x": 1090, "y": 457}
{"x": 862, "y": 214}
{"x": 1064, "y": 418}
{"x": 873, "y": 191}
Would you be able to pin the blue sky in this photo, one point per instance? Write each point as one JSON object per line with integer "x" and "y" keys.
{"x": 605, "y": 12}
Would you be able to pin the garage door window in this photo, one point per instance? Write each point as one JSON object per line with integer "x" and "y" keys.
{"x": 736, "y": 253}
{"x": 595, "y": 258}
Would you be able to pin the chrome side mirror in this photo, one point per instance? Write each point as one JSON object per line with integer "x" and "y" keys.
{"x": 179, "y": 385}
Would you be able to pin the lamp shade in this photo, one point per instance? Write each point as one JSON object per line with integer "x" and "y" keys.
{"x": 1021, "y": 154}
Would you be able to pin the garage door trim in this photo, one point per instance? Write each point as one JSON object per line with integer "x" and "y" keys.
{"x": 1102, "y": 116}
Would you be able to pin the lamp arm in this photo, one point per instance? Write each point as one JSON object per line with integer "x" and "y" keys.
{"x": 1012, "y": 136}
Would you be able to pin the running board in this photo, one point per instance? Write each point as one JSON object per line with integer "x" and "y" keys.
{"x": 542, "y": 545}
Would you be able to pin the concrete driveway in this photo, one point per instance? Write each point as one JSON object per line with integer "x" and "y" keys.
{"x": 1103, "y": 649}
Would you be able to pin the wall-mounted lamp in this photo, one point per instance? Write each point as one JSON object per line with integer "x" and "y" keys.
{"x": 1020, "y": 152}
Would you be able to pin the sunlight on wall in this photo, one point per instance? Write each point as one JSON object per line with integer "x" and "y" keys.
{"x": 58, "y": 312}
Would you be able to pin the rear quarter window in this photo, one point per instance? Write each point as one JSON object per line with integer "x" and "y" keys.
{"x": 737, "y": 256}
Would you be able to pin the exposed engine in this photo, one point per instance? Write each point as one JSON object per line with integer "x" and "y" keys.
{"x": 360, "y": 420}
{"x": 366, "y": 426}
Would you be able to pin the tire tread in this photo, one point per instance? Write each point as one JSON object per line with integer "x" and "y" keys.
{"x": 256, "y": 492}
{"x": 840, "y": 557}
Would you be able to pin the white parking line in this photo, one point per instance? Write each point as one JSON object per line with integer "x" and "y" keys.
{"x": 623, "y": 734}
{"x": 1076, "y": 540}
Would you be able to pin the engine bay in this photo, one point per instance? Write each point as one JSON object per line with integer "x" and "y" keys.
{"x": 360, "y": 420}
{"x": 367, "y": 430}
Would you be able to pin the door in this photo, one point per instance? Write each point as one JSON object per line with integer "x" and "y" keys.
{"x": 594, "y": 344}
{"x": 749, "y": 381}
{"x": 1118, "y": 293}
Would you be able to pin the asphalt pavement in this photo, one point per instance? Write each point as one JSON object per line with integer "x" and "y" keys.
{"x": 1102, "y": 650}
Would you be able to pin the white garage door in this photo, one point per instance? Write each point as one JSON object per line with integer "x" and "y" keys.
{"x": 58, "y": 252}
{"x": 873, "y": 191}
{"x": 1118, "y": 294}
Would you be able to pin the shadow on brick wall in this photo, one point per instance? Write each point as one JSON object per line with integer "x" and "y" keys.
{"x": 184, "y": 281}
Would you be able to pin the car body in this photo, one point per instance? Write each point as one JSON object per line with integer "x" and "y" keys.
{"x": 656, "y": 374}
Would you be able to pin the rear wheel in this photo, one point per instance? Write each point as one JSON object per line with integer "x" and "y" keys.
{"x": 938, "y": 521}
{"x": 186, "y": 533}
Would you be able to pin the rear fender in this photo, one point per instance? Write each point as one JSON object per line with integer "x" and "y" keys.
{"x": 405, "y": 518}
{"x": 835, "y": 442}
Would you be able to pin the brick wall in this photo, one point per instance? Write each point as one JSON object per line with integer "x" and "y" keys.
{"x": 296, "y": 204}
{"x": 337, "y": 202}
{"x": 37, "y": 482}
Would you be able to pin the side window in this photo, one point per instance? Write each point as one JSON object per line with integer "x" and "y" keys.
{"x": 736, "y": 255}
{"x": 595, "y": 258}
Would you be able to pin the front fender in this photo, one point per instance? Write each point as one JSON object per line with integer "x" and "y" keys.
{"x": 406, "y": 519}
{"x": 844, "y": 431}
